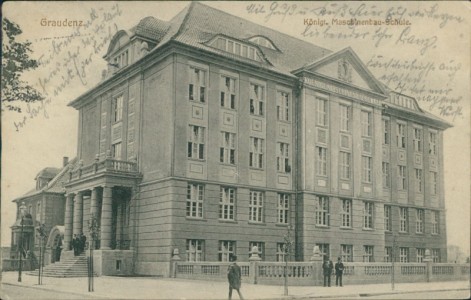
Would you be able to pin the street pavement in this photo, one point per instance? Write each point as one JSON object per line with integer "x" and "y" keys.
{"x": 108, "y": 287}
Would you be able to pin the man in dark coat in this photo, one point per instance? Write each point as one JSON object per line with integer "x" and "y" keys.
{"x": 75, "y": 245}
{"x": 234, "y": 277}
{"x": 339, "y": 272}
{"x": 327, "y": 267}
{"x": 83, "y": 240}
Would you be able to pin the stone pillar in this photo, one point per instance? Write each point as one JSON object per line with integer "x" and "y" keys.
{"x": 174, "y": 262}
{"x": 68, "y": 221}
{"x": 119, "y": 221}
{"x": 78, "y": 212}
{"x": 106, "y": 218}
{"x": 93, "y": 203}
{"x": 316, "y": 260}
{"x": 253, "y": 260}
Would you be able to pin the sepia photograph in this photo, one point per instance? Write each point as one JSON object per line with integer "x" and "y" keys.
{"x": 235, "y": 150}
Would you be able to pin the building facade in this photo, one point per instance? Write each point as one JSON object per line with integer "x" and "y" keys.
{"x": 210, "y": 134}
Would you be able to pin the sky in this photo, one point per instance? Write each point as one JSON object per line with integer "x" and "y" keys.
{"x": 423, "y": 52}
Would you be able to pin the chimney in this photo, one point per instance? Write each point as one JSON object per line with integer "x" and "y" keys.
{"x": 65, "y": 161}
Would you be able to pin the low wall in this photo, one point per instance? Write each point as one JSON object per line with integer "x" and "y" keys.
{"x": 112, "y": 262}
{"x": 13, "y": 265}
{"x": 310, "y": 273}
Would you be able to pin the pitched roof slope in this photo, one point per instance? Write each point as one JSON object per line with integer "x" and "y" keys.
{"x": 204, "y": 22}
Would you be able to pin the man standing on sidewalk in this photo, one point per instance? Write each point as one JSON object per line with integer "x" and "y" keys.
{"x": 338, "y": 272}
{"x": 327, "y": 266}
{"x": 234, "y": 277}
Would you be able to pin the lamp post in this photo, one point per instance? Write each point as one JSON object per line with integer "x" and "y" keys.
{"x": 41, "y": 234}
{"x": 288, "y": 245}
{"x": 20, "y": 246}
{"x": 94, "y": 230}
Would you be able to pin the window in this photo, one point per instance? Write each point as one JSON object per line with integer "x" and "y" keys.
{"x": 117, "y": 109}
{"x": 420, "y": 255}
{"x": 194, "y": 250}
{"x": 196, "y": 142}
{"x": 386, "y": 133}
{"x": 368, "y": 210}
{"x": 228, "y": 92}
{"x": 257, "y": 98}
{"x": 237, "y": 48}
{"x": 194, "y": 200}
{"x": 262, "y": 41}
{"x": 388, "y": 255}
{"x": 280, "y": 252}
{"x": 432, "y": 143}
{"x": 435, "y": 222}
{"x": 436, "y": 255}
{"x": 403, "y": 219}
{"x": 322, "y": 112}
{"x": 116, "y": 151}
{"x": 402, "y": 178}
{"x": 197, "y": 85}
{"x": 227, "y": 204}
{"x": 417, "y": 139}
{"x": 433, "y": 183}
{"x": 256, "y": 153}
{"x": 256, "y": 207}
{"x": 121, "y": 60}
{"x": 226, "y": 249}
{"x": 403, "y": 255}
{"x": 282, "y": 158}
{"x": 345, "y": 117}
{"x": 401, "y": 135}
{"x": 419, "y": 220}
{"x": 367, "y": 163}
{"x": 344, "y": 165}
{"x": 324, "y": 249}
{"x": 387, "y": 218}
{"x": 38, "y": 211}
{"x": 418, "y": 180}
{"x": 282, "y": 106}
{"x": 321, "y": 162}
{"x": 346, "y": 213}
{"x": 386, "y": 175}
{"x": 346, "y": 253}
{"x": 368, "y": 254}
{"x": 227, "y": 149}
{"x": 283, "y": 208}
{"x": 322, "y": 211}
{"x": 366, "y": 129}
{"x": 260, "y": 246}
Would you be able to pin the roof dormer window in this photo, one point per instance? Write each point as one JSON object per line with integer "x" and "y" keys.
{"x": 121, "y": 60}
{"x": 237, "y": 47}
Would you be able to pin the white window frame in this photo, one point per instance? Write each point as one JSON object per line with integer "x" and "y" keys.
{"x": 433, "y": 182}
{"x": 324, "y": 249}
{"x": 345, "y": 117}
{"x": 321, "y": 161}
{"x": 402, "y": 177}
{"x": 346, "y": 252}
{"x": 226, "y": 249}
{"x": 117, "y": 150}
{"x": 257, "y": 99}
{"x": 118, "y": 103}
{"x": 386, "y": 131}
{"x": 346, "y": 213}
{"x": 403, "y": 219}
{"x": 366, "y": 123}
{"x": 228, "y": 93}
{"x": 419, "y": 220}
{"x": 418, "y": 180}
{"x": 401, "y": 135}
{"x": 368, "y": 253}
{"x": 386, "y": 175}
{"x": 435, "y": 222}
{"x": 194, "y": 250}
{"x": 194, "y": 200}
{"x": 368, "y": 214}
{"x": 322, "y": 211}
{"x": 196, "y": 142}
{"x": 280, "y": 252}
{"x": 256, "y": 207}
{"x": 417, "y": 139}
{"x": 227, "y": 204}
{"x": 436, "y": 255}
{"x": 283, "y": 208}
{"x": 282, "y": 158}
{"x": 38, "y": 211}
{"x": 433, "y": 138}
{"x": 345, "y": 160}
{"x": 420, "y": 254}
{"x": 388, "y": 254}
{"x": 387, "y": 218}
{"x": 282, "y": 105}
{"x": 256, "y": 155}
{"x": 322, "y": 105}
{"x": 367, "y": 169}
{"x": 403, "y": 254}
{"x": 197, "y": 91}
{"x": 227, "y": 150}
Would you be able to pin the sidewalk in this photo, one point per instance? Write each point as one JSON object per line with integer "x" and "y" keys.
{"x": 107, "y": 287}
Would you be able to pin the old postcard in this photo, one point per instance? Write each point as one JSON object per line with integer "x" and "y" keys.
{"x": 172, "y": 150}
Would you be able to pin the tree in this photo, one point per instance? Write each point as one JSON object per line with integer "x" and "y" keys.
{"x": 15, "y": 62}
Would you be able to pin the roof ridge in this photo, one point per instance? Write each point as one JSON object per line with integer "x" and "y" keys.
{"x": 266, "y": 27}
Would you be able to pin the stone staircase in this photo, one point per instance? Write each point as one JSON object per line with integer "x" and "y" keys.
{"x": 75, "y": 266}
